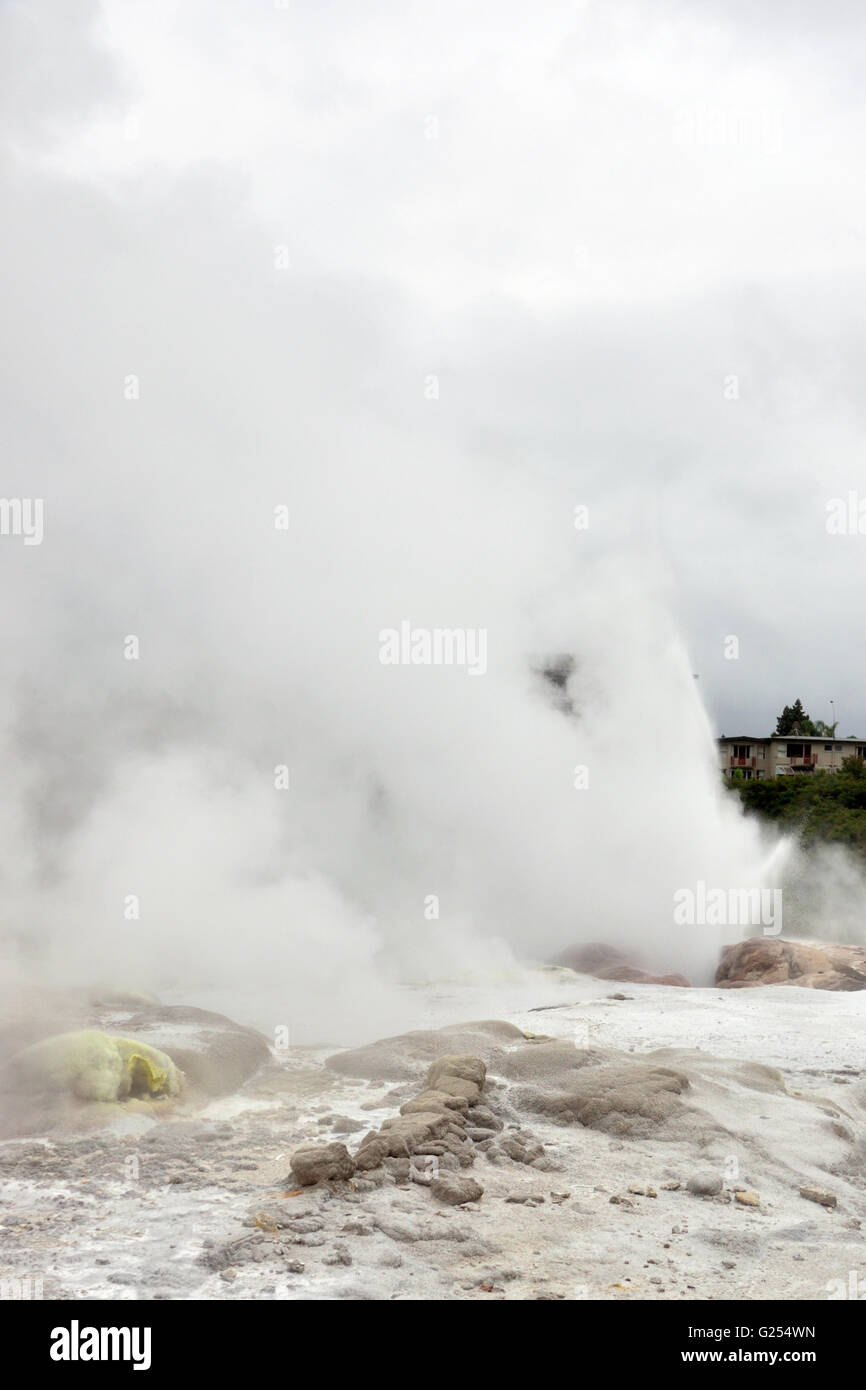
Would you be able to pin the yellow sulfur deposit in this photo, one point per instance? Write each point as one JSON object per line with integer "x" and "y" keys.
{"x": 98, "y": 1066}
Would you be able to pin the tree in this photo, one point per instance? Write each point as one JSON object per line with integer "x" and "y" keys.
{"x": 825, "y": 730}
{"x": 828, "y": 807}
{"x": 794, "y": 720}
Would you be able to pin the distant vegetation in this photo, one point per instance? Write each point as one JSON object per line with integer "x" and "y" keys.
{"x": 828, "y": 807}
{"x": 795, "y": 720}
{"x": 819, "y": 806}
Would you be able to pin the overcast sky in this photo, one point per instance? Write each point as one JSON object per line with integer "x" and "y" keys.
{"x": 434, "y": 276}
{"x": 590, "y": 216}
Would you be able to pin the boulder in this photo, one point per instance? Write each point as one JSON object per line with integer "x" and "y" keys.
{"x": 627, "y": 1098}
{"x": 341, "y": 1124}
{"x": 630, "y": 974}
{"x": 103, "y": 1067}
{"x": 416, "y": 1128}
{"x": 545, "y": 1059}
{"x": 819, "y": 1195}
{"x": 705, "y": 1184}
{"x": 322, "y": 1163}
{"x": 466, "y": 1067}
{"x": 609, "y": 963}
{"x": 373, "y": 1150}
{"x": 96, "y": 1066}
{"x": 456, "y": 1086}
{"x": 215, "y": 1054}
{"x": 438, "y": 1102}
{"x": 454, "y": 1189}
{"x": 438, "y": 1151}
{"x": 483, "y": 1118}
{"x": 764, "y": 960}
{"x": 407, "y": 1056}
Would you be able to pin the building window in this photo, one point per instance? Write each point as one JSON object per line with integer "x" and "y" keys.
{"x": 794, "y": 750}
{"x": 742, "y": 750}
{"x": 828, "y": 748}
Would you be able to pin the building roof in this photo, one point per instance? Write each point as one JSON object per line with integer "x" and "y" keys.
{"x": 742, "y": 738}
{"x": 786, "y": 738}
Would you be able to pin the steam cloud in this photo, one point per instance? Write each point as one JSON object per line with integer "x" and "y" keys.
{"x": 169, "y": 388}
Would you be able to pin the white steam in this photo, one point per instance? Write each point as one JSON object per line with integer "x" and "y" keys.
{"x": 170, "y": 390}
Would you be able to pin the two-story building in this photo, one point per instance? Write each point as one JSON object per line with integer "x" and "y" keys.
{"x": 780, "y": 755}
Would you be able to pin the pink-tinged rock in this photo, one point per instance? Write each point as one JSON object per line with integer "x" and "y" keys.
{"x": 771, "y": 961}
{"x": 609, "y": 963}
